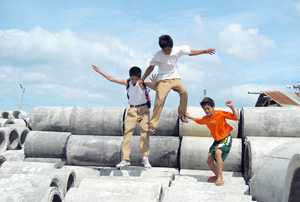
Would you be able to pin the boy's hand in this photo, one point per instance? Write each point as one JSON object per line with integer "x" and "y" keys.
{"x": 187, "y": 115}
{"x": 154, "y": 78}
{"x": 96, "y": 68}
{"x": 211, "y": 51}
{"x": 229, "y": 103}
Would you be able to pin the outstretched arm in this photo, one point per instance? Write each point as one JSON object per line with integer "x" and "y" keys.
{"x": 110, "y": 78}
{"x": 229, "y": 103}
{"x": 146, "y": 74}
{"x": 210, "y": 51}
{"x": 189, "y": 117}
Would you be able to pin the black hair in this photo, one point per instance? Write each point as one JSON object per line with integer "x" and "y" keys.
{"x": 165, "y": 41}
{"x": 207, "y": 100}
{"x": 135, "y": 71}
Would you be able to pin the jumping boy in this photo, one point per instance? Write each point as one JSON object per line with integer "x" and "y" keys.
{"x": 220, "y": 131}
{"x": 168, "y": 78}
{"x": 138, "y": 112}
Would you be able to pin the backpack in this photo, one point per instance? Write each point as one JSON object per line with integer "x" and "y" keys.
{"x": 147, "y": 90}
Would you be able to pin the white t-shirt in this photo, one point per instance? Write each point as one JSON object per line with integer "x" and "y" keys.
{"x": 167, "y": 64}
{"x": 136, "y": 94}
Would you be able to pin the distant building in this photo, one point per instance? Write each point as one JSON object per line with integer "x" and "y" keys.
{"x": 277, "y": 99}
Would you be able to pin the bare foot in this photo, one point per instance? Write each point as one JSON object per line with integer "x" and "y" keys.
{"x": 212, "y": 179}
{"x": 219, "y": 182}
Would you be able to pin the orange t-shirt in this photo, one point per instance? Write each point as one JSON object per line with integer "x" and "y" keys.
{"x": 217, "y": 124}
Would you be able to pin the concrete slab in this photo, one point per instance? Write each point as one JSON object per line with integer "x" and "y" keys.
{"x": 204, "y": 186}
{"x": 174, "y": 194}
{"x": 135, "y": 188}
{"x": 84, "y": 195}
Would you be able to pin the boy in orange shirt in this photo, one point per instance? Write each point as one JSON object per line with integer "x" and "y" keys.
{"x": 220, "y": 131}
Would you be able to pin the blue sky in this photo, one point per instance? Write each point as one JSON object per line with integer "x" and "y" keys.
{"x": 49, "y": 47}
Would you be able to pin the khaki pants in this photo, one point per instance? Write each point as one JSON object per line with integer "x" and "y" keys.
{"x": 163, "y": 88}
{"x": 135, "y": 115}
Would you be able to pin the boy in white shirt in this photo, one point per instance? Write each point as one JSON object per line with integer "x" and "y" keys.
{"x": 168, "y": 78}
{"x": 138, "y": 112}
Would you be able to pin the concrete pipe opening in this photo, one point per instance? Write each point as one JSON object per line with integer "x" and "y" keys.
{"x": 3, "y": 142}
{"x": 5, "y": 115}
{"x": 56, "y": 198}
{"x": 71, "y": 181}
{"x": 13, "y": 139}
{"x": 23, "y": 136}
{"x": 295, "y": 187}
{"x": 18, "y": 114}
{"x": 247, "y": 162}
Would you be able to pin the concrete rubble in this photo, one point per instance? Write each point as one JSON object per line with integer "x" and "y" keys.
{"x": 69, "y": 154}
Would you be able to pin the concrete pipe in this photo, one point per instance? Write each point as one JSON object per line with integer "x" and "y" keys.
{"x": 38, "y": 165}
{"x": 194, "y": 129}
{"x": 144, "y": 189}
{"x": 2, "y": 122}
{"x": 97, "y": 121}
{"x": 12, "y": 137}
{"x": 3, "y": 142}
{"x": 50, "y": 194}
{"x": 19, "y": 114}
{"x": 51, "y": 119}
{"x": 13, "y": 155}
{"x": 46, "y": 144}
{"x": 91, "y": 150}
{"x": 163, "y": 151}
{"x": 6, "y": 114}
{"x": 66, "y": 177}
{"x": 84, "y": 195}
{"x": 168, "y": 124}
{"x": 277, "y": 177}
{"x": 270, "y": 121}
{"x": 258, "y": 147}
{"x": 1, "y": 114}
{"x": 62, "y": 161}
{"x": 194, "y": 152}
{"x": 23, "y": 132}
{"x": 15, "y": 122}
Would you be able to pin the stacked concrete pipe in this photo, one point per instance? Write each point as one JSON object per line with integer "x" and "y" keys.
{"x": 47, "y": 145}
{"x": 51, "y": 119}
{"x": 168, "y": 124}
{"x": 3, "y": 141}
{"x": 194, "y": 152}
{"x": 277, "y": 178}
{"x": 256, "y": 148}
{"x": 28, "y": 187}
{"x": 12, "y": 136}
{"x": 270, "y": 121}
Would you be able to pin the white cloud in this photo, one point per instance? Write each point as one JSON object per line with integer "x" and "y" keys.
{"x": 245, "y": 44}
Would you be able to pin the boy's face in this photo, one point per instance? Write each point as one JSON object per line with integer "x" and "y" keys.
{"x": 209, "y": 111}
{"x": 134, "y": 79}
{"x": 167, "y": 50}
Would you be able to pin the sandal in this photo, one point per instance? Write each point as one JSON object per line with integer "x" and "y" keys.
{"x": 152, "y": 131}
{"x": 183, "y": 119}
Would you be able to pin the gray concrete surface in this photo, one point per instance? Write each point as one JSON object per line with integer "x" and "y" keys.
{"x": 194, "y": 152}
{"x": 270, "y": 121}
{"x": 168, "y": 124}
{"x": 258, "y": 147}
{"x": 3, "y": 142}
{"x": 277, "y": 176}
{"x": 197, "y": 130}
{"x": 88, "y": 150}
{"x": 51, "y": 119}
{"x": 46, "y": 144}
{"x": 97, "y": 121}
{"x": 12, "y": 137}
{"x": 164, "y": 151}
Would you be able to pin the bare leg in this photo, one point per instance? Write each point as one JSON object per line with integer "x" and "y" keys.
{"x": 213, "y": 167}
{"x": 219, "y": 159}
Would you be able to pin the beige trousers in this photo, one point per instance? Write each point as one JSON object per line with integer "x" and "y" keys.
{"x": 163, "y": 88}
{"x": 135, "y": 115}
